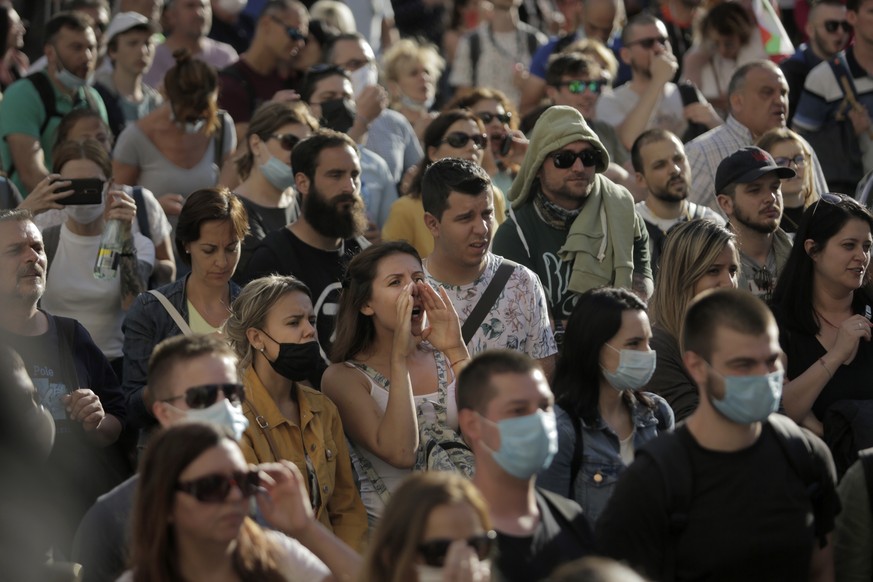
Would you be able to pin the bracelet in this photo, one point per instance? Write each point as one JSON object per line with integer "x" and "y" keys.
{"x": 455, "y": 363}
{"x": 825, "y": 366}
{"x": 133, "y": 254}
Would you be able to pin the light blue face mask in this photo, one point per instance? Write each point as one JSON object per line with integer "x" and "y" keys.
{"x": 223, "y": 413}
{"x": 278, "y": 173}
{"x": 635, "y": 369}
{"x": 527, "y": 443}
{"x": 749, "y": 399}
{"x": 69, "y": 80}
{"x": 189, "y": 127}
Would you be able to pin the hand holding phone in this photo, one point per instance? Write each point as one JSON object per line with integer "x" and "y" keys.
{"x": 47, "y": 195}
{"x": 85, "y": 191}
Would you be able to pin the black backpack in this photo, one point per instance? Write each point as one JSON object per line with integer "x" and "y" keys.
{"x": 848, "y": 428}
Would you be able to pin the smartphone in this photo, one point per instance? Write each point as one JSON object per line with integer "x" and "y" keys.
{"x": 505, "y": 145}
{"x": 85, "y": 191}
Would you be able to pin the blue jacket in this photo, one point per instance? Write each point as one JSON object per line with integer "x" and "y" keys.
{"x": 147, "y": 323}
{"x": 601, "y": 462}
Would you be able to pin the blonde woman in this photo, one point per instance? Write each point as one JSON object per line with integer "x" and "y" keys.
{"x": 698, "y": 255}
{"x": 272, "y": 331}
{"x": 411, "y": 72}
{"x": 798, "y": 193}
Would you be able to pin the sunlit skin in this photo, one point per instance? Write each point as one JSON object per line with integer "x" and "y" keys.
{"x": 792, "y": 188}
{"x": 567, "y": 187}
{"x": 467, "y": 152}
{"x": 215, "y": 254}
{"x": 722, "y": 273}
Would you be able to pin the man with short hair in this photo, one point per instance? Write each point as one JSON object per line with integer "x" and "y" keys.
{"x": 459, "y": 212}
{"x": 189, "y": 22}
{"x": 749, "y": 188}
{"x": 191, "y": 379}
{"x": 757, "y": 103}
{"x": 317, "y": 247}
{"x": 828, "y": 32}
{"x": 737, "y": 493}
{"x": 74, "y": 380}
{"x": 506, "y": 414}
{"x": 569, "y": 224}
{"x": 32, "y": 108}
{"x": 383, "y": 131}
{"x": 650, "y": 99}
{"x": 662, "y": 170}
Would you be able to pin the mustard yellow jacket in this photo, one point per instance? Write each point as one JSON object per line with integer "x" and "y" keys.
{"x": 320, "y": 437}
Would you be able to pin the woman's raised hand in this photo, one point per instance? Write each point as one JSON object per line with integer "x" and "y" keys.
{"x": 444, "y": 328}
{"x": 850, "y": 332}
{"x": 404, "y": 342}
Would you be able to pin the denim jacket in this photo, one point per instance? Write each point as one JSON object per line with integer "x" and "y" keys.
{"x": 147, "y": 323}
{"x": 601, "y": 461}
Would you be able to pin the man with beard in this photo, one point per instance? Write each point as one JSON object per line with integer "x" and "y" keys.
{"x": 749, "y": 185}
{"x": 317, "y": 247}
{"x": 662, "y": 171}
{"x": 738, "y": 492}
{"x": 650, "y": 99}
{"x": 73, "y": 379}
{"x": 569, "y": 224}
{"x": 828, "y": 32}
{"x": 32, "y": 107}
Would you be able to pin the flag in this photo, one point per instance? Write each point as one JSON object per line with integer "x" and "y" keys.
{"x": 773, "y": 36}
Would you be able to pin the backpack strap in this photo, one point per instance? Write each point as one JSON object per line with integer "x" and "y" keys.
{"x": 488, "y": 299}
{"x": 799, "y": 452}
{"x": 576, "y": 461}
{"x": 532, "y": 43}
{"x": 173, "y": 312}
{"x": 563, "y": 42}
{"x": 475, "y": 53}
{"x": 142, "y": 218}
{"x": 46, "y": 93}
{"x": 66, "y": 348}
{"x": 866, "y": 457}
{"x": 51, "y": 238}
{"x": 219, "y": 141}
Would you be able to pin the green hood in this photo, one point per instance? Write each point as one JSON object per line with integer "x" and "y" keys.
{"x": 557, "y": 126}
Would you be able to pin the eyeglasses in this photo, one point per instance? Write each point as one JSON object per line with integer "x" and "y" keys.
{"x": 206, "y": 395}
{"x": 577, "y": 87}
{"x": 648, "y": 43}
{"x": 326, "y": 69}
{"x": 216, "y": 488}
{"x": 566, "y": 158}
{"x": 832, "y": 25}
{"x": 293, "y": 33}
{"x": 286, "y": 140}
{"x": 487, "y": 117}
{"x": 434, "y": 551}
{"x": 798, "y": 160}
{"x": 459, "y": 139}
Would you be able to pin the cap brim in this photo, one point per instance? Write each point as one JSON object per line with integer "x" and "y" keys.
{"x": 752, "y": 175}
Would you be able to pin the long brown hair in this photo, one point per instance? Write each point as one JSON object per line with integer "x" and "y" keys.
{"x": 154, "y": 555}
{"x": 355, "y": 332}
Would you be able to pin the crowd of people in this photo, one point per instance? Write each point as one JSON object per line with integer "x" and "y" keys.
{"x": 414, "y": 290}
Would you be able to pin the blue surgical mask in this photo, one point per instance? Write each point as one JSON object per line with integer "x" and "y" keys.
{"x": 278, "y": 173}
{"x": 749, "y": 399}
{"x": 69, "y": 80}
{"x": 635, "y": 369}
{"x": 411, "y": 103}
{"x": 527, "y": 443}
{"x": 223, "y": 413}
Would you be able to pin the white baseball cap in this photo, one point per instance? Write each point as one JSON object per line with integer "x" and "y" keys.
{"x": 124, "y": 21}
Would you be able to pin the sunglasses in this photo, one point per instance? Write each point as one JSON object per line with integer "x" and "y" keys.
{"x": 577, "y": 87}
{"x": 292, "y": 32}
{"x": 216, "y": 488}
{"x": 832, "y": 25}
{"x": 565, "y": 159}
{"x": 798, "y": 160}
{"x": 487, "y": 117}
{"x": 434, "y": 551}
{"x": 648, "y": 43}
{"x": 828, "y": 198}
{"x": 459, "y": 139}
{"x": 206, "y": 395}
{"x": 286, "y": 140}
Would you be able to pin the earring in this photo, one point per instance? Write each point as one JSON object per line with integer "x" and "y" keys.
{"x": 261, "y": 350}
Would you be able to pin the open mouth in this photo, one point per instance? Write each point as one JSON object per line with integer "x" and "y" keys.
{"x": 416, "y": 312}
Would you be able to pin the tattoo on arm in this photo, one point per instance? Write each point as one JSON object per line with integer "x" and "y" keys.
{"x": 642, "y": 286}
{"x": 131, "y": 282}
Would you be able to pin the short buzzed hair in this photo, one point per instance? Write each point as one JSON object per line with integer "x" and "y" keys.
{"x": 474, "y": 387}
{"x": 181, "y": 348}
{"x": 15, "y": 214}
{"x": 738, "y": 80}
{"x": 732, "y": 309}
{"x": 649, "y": 136}
{"x": 641, "y": 19}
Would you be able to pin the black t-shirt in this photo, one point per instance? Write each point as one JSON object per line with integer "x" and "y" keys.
{"x": 553, "y": 543}
{"x": 262, "y": 221}
{"x": 281, "y": 252}
{"x": 791, "y": 218}
{"x": 749, "y": 516}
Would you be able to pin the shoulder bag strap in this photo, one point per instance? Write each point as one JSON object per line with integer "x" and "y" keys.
{"x": 142, "y": 218}
{"x": 488, "y": 299}
{"x": 219, "y": 141}
{"x": 173, "y": 312}
{"x": 264, "y": 425}
{"x": 51, "y": 238}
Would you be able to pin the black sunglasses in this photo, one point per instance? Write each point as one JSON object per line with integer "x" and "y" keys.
{"x": 216, "y": 488}
{"x": 576, "y": 87}
{"x": 286, "y": 140}
{"x": 434, "y": 551}
{"x": 566, "y": 158}
{"x": 832, "y": 25}
{"x": 648, "y": 43}
{"x": 206, "y": 395}
{"x": 322, "y": 68}
{"x": 487, "y": 117}
{"x": 292, "y": 32}
{"x": 458, "y": 139}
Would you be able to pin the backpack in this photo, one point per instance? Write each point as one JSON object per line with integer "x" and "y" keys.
{"x": 671, "y": 455}
{"x": 440, "y": 448}
{"x": 476, "y": 51}
{"x": 848, "y": 428}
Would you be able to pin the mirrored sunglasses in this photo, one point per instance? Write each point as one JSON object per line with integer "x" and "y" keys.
{"x": 577, "y": 87}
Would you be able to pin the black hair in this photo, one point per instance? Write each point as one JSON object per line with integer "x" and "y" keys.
{"x": 474, "y": 388}
{"x": 451, "y": 175}
{"x": 305, "y": 155}
{"x": 317, "y": 74}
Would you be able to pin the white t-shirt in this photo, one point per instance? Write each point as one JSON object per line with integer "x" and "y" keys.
{"x": 614, "y": 106}
{"x": 73, "y": 291}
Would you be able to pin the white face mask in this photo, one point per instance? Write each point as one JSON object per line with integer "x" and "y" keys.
{"x": 232, "y": 7}
{"x": 364, "y": 77}
{"x": 223, "y": 413}
{"x": 85, "y": 213}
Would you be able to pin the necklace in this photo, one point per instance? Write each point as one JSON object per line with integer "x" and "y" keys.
{"x": 822, "y": 317}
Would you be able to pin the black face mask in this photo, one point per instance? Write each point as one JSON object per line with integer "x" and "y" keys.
{"x": 338, "y": 114}
{"x": 297, "y": 362}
